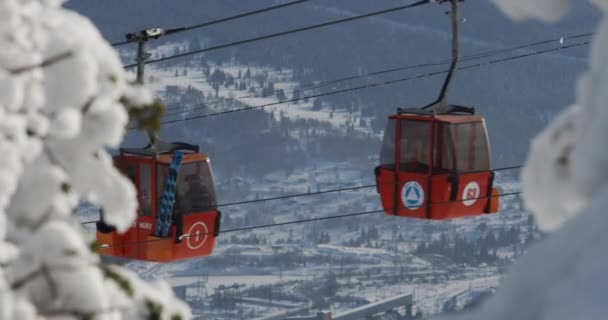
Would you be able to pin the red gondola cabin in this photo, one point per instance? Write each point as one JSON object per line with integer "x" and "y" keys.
{"x": 436, "y": 166}
{"x": 192, "y": 218}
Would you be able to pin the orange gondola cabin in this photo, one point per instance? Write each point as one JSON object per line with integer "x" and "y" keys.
{"x": 177, "y": 216}
{"x": 436, "y": 166}
{"x": 435, "y": 161}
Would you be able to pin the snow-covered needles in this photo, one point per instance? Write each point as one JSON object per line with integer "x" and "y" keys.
{"x": 62, "y": 103}
{"x": 566, "y": 187}
{"x": 568, "y": 163}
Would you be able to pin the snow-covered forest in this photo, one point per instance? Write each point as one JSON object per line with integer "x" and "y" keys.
{"x": 292, "y": 126}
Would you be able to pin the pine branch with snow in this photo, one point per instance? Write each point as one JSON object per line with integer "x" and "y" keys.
{"x": 565, "y": 184}
{"x": 64, "y": 99}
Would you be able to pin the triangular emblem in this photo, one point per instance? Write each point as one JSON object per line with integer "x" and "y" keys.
{"x": 411, "y": 195}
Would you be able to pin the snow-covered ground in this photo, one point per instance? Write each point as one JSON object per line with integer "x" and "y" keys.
{"x": 158, "y": 79}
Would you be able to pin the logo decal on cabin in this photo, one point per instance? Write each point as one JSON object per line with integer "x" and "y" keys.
{"x": 198, "y": 234}
{"x": 145, "y": 225}
{"x": 412, "y": 195}
{"x": 471, "y": 193}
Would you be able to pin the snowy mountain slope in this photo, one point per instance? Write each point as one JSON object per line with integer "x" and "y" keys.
{"x": 160, "y": 79}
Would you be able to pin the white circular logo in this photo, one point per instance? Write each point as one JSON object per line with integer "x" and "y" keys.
{"x": 412, "y": 195}
{"x": 198, "y": 234}
{"x": 471, "y": 193}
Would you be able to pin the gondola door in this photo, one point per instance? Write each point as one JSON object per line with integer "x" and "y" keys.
{"x": 414, "y": 155}
{"x": 130, "y": 239}
{"x": 146, "y": 212}
{"x": 462, "y": 179}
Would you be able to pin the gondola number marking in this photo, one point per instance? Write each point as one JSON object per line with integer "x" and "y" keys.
{"x": 412, "y": 195}
{"x": 471, "y": 193}
{"x": 198, "y": 234}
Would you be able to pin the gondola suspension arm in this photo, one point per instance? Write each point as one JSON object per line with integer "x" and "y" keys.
{"x": 440, "y": 104}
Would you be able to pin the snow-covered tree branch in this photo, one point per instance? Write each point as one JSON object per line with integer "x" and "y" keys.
{"x": 566, "y": 187}
{"x": 64, "y": 99}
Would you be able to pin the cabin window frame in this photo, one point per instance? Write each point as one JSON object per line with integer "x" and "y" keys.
{"x": 415, "y": 153}
{"x": 184, "y": 204}
{"x": 145, "y": 192}
{"x": 461, "y": 147}
{"x": 389, "y": 145}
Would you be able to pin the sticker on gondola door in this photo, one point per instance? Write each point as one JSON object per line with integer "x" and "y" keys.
{"x": 471, "y": 193}
{"x": 412, "y": 195}
{"x": 198, "y": 234}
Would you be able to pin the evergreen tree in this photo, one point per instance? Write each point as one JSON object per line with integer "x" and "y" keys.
{"x": 229, "y": 80}
{"x": 361, "y": 122}
{"x": 281, "y": 95}
{"x": 270, "y": 89}
{"x": 296, "y": 95}
{"x": 317, "y": 105}
{"x": 217, "y": 79}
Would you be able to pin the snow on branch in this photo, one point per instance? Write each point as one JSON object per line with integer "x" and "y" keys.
{"x": 565, "y": 184}
{"x": 65, "y": 99}
{"x": 43, "y": 64}
{"x": 546, "y": 10}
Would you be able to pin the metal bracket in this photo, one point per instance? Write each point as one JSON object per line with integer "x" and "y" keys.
{"x": 440, "y": 104}
{"x": 141, "y": 37}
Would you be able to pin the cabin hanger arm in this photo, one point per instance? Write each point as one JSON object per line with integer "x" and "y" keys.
{"x": 440, "y": 104}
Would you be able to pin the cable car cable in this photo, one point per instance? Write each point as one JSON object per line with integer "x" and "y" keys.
{"x": 125, "y": 244}
{"x": 221, "y": 20}
{"x": 283, "y": 33}
{"x": 378, "y": 84}
{"x": 311, "y": 193}
{"x": 300, "y": 221}
{"x": 279, "y": 198}
{"x": 297, "y": 195}
{"x": 508, "y": 168}
{"x": 331, "y": 191}
{"x": 375, "y": 73}
{"x": 354, "y": 214}
{"x": 238, "y": 16}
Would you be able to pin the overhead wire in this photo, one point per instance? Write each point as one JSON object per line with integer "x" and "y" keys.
{"x": 222, "y": 20}
{"x": 308, "y": 194}
{"x": 293, "y": 222}
{"x": 180, "y": 109}
{"x": 357, "y": 214}
{"x": 331, "y": 191}
{"x": 238, "y": 16}
{"x": 378, "y": 84}
{"x": 283, "y": 33}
